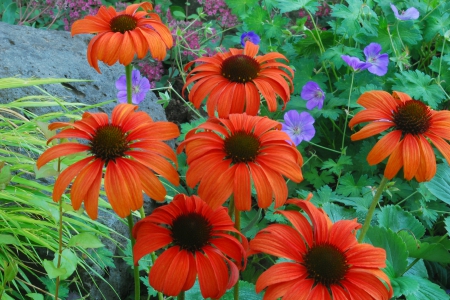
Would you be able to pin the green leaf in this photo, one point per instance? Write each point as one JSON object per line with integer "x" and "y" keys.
{"x": 396, "y": 251}
{"x": 447, "y": 224}
{"x": 419, "y": 86}
{"x": 240, "y": 7}
{"x": 334, "y": 54}
{"x": 438, "y": 22}
{"x": 7, "y": 239}
{"x": 395, "y": 218}
{"x": 318, "y": 179}
{"x": 337, "y": 167}
{"x": 404, "y": 285}
{"x": 275, "y": 28}
{"x": 35, "y": 296}
{"x": 9, "y": 14}
{"x": 348, "y": 187}
{"x": 291, "y": 5}
{"x": 408, "y": 32}
{"x": 5, "y": 175}
{"x": 85, "y": 240}
{"x": 332, "y": 108}
{"x": 426, "y": 290}
{"x": 246, "y": 291}
{"x": 440, "y": 184}
{"x": 336, "y": 212}
{"x": 257, "y": 19}
{"x": 10, "y": 271}
{"x": 51, "y": 270}
{"x": 432, "y": 252}
{"x": 69, "y": 261}
{"x": 177, "y": 12}
{"x": 308, "y": 47}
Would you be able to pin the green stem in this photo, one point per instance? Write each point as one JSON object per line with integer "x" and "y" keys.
{"x": 128, "y": 71}
{"x": 237, "y": 225}
{"x": 347, "y": 112}
{"x": 180, "y": 296}
{"x": 137, "y": 284}
{"x": 58, "y": 265}
{"x": 374, "y": 203}
{"x": 325, "y": 148}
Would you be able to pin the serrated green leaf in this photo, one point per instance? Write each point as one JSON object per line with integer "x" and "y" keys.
{"x": 432, "y": 252}
{"x": 307, "y": 47}
{"x": 9, "y": 14}
{"x": 332, "y": 108}
{"x": 396, "y": 251}
{"x": 318, "y": 179}
{"x": 348, "y": 187}
{"x": 257, "y": 19}
{"x": 275, "y": 28}
{"x": 336, "y": 212}
{"x": 419, "y": 86}
{"x": 426, "y": 290}
{"x": 85, "y": 240}
{"x": 440, "y": 184}
{"x": 404, "y": 285}
{"x": 438, "y": 22}
{"x": 240, "y": 7}
{"x": 447, "y": 224}
{"x": 337, "y": 167}
{"x": 408, "y": 32}
{"x": 291, "y": 5}
{"x": 395, "y": 218}
{"x": 334, "y": 54}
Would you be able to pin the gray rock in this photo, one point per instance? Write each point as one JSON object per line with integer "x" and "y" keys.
{"x": 27, "y": 52}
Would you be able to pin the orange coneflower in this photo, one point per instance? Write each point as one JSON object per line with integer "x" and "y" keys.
{"x": 131, "y": 148}
{"x": 408, "y": 145}
{"x": 227, "y": 155}
{"x": 233, "y": 81}
{"x": 326, "y": 261}
{"x": 201, "y": 242}
{"x": 121, "y": 35}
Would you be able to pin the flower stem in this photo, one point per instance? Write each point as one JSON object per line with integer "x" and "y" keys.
{"x": 128, "y": 70}
{"x": 180, "y": 296}
{"x": 374, "y": 203}
{"x": 137, "y": 284}
{"x": 348, "y": 111}
{"x": 237, "y": 225}
{"x": 58, "y": 265}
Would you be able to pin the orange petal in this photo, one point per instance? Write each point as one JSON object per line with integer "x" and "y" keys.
{"x": 395, "y": 161}
{"x": 242, "y": 188}
{"x": 60, "y": 150}
{"x": 427, "y": 167}
{"x": 384, "y": 147}
{"x": 411, "y": 156}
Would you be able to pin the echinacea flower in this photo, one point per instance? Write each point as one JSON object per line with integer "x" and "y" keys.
{"x": 312, "y": 93}
{"x": 121, "y": 35}
{"x": 227, "y": 156}
{"x": 379, "y": 62}
{"x": 325, "y": 259}
{"x": 233, "y": 81}
{"x": 299, "y": 126}
{"x": 201, "y": 241}
{"x": 139, "y": 87}
{"x": 414, "y": 126}
{"x": 410, "y": 14}
{"x": 250, "y": 36}
{"x": 355, "y": 63}
{"x": 131, "y": 148}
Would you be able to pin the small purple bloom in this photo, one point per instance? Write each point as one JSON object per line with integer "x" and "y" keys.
{"x": 299, "y": 126}
{"x": 355, "y": 63}
{"x": 250, "y": 36}
{"x": 379, "y": 61}
{"x": 312, "y": 93}
{"x": 139, "y": 87}
{"x": 409, "y": 14}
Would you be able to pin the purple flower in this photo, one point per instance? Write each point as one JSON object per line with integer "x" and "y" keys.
{"x": 139, "y": 87}
{"x": 410, "y": 14}
{"x": 312, "y": 93}
{"x": 250, "y": 36}
{"x": 355, "y": 63}
{"x": 379, "y": 61}
{"x": 299, "y": 126}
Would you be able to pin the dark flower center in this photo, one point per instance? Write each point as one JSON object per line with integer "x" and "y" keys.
{"x": 325, "y": 264}
{"x": 191, "y": 231}
{"x": 240, "y": 68}
{"x": 242, "y": 147}
{"x": 109, "y": 142}
{"x": 412, "y": 117}
{"x": 122, "y": 23}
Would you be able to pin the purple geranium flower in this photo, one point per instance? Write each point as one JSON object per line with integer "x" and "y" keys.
{"x": 379, "y": 61}
{"x": 250, "y": 36}
{"x": 409, "y": 14}
{"x": 312, "y": 93}
{"x": 299, "y": 126}
{"x": 355, "y": 63}
{"x": 139, "y": 87}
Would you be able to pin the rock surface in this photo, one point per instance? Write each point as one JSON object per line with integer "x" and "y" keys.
{"x": 27, "y": 52}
